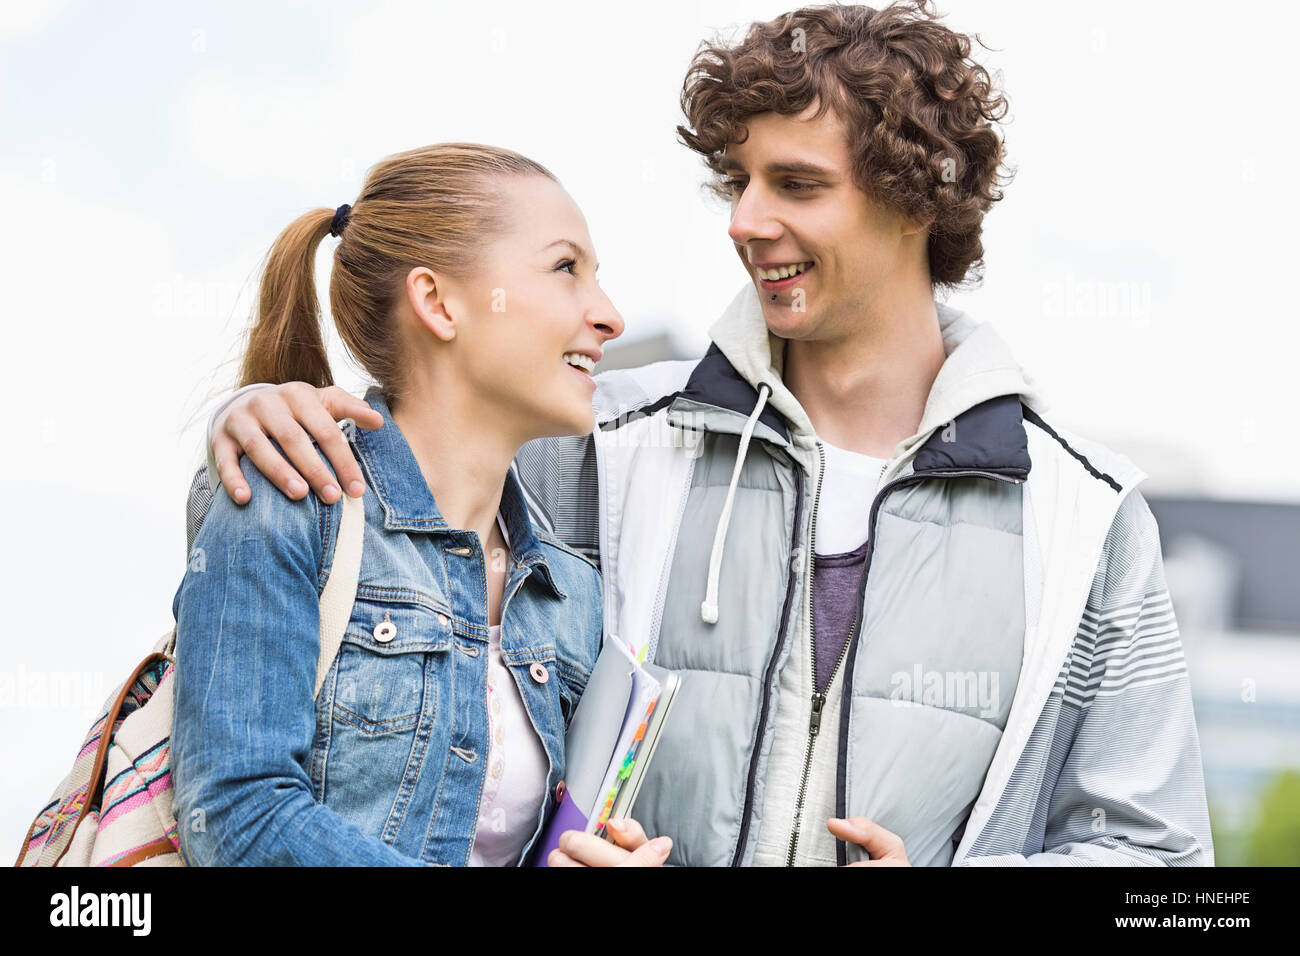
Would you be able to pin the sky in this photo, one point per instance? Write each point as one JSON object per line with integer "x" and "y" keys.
{"x": 150, "y": 152}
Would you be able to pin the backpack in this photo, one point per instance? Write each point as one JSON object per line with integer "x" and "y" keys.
{"x": 115, "y": 806}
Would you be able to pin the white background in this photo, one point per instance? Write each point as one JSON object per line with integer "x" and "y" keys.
{"x": 152, "y": 151}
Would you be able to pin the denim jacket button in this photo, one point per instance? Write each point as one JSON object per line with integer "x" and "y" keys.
{"x": 443, "y": 620}
{"x": 385, "y": 631}
{"x": 539, "y": 673}
{"x": 559, "y": 791}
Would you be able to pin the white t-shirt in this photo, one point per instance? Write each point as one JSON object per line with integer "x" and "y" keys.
{"x": 517, "y": 766}
{"x": 849, "y": 483}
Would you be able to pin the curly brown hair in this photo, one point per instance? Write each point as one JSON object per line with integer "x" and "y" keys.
{"x": 920, "y": 112}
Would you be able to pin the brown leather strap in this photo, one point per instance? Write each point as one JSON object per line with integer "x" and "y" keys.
{"x": 26, "y": 840}
{"x": 95, "y": 785}
{"x": 157, "y": 848}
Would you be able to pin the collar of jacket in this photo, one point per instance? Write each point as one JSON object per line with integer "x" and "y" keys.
{"x": 972, "y": 418}
{"x": 408, "y": 505}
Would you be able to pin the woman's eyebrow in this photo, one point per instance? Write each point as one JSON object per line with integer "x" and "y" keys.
{"x": 578, "y": 251}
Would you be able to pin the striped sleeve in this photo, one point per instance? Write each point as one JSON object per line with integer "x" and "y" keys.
{"x": 1123, "y": 783}
{"x": 196, "y": 507}
{"x": 558, "y": 476}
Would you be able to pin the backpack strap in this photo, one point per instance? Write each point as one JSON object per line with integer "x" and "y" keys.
{"x": 335, "y": 600}
{"x": 341, "y": 586}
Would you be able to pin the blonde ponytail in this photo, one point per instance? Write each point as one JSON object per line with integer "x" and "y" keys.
{"x": 285, "y": 343}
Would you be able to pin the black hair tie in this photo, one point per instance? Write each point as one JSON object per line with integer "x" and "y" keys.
{"x": 340, "y": 219}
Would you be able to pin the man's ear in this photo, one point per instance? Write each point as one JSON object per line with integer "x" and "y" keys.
{"x": 911, "y": 227}
{"x": 426, "y": 294}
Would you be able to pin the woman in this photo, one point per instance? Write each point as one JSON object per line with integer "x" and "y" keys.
{"x": 463, "y": 283}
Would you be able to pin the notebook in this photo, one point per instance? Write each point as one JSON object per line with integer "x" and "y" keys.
{"x": 610, "y": 742}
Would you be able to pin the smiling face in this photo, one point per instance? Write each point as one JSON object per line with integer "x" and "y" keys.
{"x": 795, "y": 206}
{"x": 530, "y": 325}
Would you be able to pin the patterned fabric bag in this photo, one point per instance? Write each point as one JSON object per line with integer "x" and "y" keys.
{"x": 115, "y": 807}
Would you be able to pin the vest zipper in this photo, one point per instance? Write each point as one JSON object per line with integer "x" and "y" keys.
{"x": 818, "y": 697}
{"x": 814, "y": 728}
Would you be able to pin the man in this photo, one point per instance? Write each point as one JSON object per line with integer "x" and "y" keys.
{"x": 917, "y": 623}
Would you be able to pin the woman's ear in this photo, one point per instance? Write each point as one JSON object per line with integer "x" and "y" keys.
{"x": 426, "y": 295}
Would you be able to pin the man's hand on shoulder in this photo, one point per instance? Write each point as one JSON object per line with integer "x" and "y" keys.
{"x": 293, "y": 414}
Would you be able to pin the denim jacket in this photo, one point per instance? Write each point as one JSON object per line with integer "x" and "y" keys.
{"x": 387, "y": 766}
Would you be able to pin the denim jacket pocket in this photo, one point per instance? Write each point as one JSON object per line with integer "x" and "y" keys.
{"x": 386, "y": 685}
{"x": 382, "y": 684}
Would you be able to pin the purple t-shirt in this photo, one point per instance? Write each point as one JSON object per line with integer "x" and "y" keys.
{"x": 836, "y": 578}
{"x": 849, "y": 483}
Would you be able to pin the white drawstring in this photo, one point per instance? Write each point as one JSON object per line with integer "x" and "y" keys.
{"x": 709, "y": 609}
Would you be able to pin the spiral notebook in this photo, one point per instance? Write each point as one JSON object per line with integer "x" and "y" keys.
{"x": 610, "y": 743}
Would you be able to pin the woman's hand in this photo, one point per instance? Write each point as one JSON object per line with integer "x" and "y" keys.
{"x": 630, "y": 847}
{"x": 293, "y": 414}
